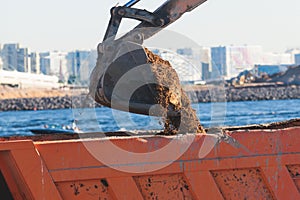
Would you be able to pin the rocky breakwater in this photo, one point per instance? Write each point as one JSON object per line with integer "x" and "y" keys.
{"x": 245, "y": 93}
{"x": 263, "y": 93}
{"x": 196, "y": 93}
{"x": 45, "y": 103}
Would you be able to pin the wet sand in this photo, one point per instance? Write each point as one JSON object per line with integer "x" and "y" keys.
{"x": 172, "y": 98}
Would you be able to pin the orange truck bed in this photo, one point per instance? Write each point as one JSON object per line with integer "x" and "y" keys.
{"x": 253, "y": 164}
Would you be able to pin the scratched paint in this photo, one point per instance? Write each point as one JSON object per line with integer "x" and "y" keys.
{"x": 173, "y": 186}
{"x": 239, "y": 184}
{"x": 88, "y": 189}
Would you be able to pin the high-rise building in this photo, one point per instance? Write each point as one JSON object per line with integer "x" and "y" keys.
{"x": 229, "y": 61}
{"x": 23, "y": 60}
{"x": 219, "y": 62}
{"x": 45, "y": 63}
{"x": 80, "y": 64}
{"x": 16, "y": 58}
{"x": 297, "y": 59}
{"x": 35, "y": 63}
{"x": 71, "y": 64}
{"x": 75, "y": 61}
{"x": 9, "y": 55}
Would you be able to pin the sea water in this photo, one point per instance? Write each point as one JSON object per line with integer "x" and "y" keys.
{"x": 107, "y": 120}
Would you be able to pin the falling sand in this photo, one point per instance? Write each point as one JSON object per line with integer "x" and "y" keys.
{"x": 173, "y": 99}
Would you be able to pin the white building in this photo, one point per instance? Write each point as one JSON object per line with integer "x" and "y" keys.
{"x": 277, "y": 59}
{"x": 187, "y": 64}
{"x": 54, "y": 63}
{"x": 229, "y": 61}
{"x": 27, "y": 80}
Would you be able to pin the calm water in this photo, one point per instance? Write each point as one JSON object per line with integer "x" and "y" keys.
{"x": 104, "y": 119}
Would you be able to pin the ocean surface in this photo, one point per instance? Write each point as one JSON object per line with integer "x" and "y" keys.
{"x": 105, "y": 119}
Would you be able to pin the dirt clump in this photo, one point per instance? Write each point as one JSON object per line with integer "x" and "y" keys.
{"x": 173, "y": 99}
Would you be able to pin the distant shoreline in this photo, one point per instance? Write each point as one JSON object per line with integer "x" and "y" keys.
{"x": 23, "y": 93}
{"x": 252, "y": 93}
{"x": 201, "y": 94}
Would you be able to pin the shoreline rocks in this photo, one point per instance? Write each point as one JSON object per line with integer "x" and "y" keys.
{"x": 45, "y": 103}
{"x": 228, "y": 94}
{"x": 232, "y": 94}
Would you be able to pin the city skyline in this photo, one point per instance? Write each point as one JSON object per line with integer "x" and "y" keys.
{"x": 32, "y": 50}
{"x": 190, "y": 63}
{"x": 67, "y": 25}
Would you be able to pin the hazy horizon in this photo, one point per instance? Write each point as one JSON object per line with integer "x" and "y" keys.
{"x": 68, "y": 25}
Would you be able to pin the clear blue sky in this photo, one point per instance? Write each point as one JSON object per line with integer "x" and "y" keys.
{"x": 67, "y": 24}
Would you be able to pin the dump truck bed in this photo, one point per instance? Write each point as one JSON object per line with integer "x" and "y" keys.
{"x": 252, "y": 163}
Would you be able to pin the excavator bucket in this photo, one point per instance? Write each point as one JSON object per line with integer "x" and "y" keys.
{"x": 131, "y": 78}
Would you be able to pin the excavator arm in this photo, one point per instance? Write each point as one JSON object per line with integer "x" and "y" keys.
{"x": 165, "y": 15}
{"x": 117, "y": 57}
